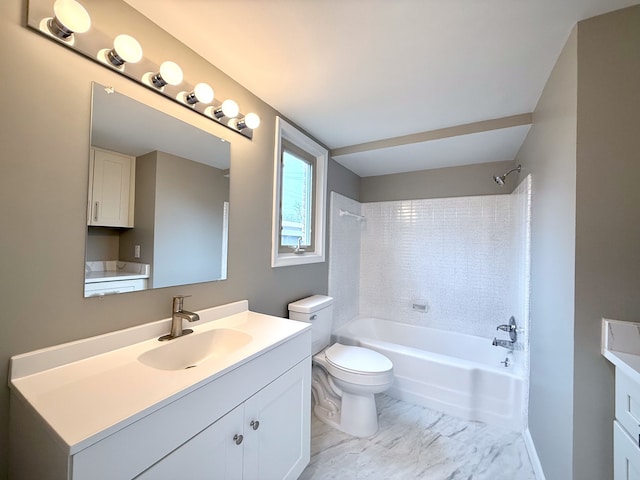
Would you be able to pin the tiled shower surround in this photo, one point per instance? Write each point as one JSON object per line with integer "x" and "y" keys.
{"x": 464, "y": 259}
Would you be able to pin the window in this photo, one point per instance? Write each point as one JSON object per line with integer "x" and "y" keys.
{"x": 299, "y": 198}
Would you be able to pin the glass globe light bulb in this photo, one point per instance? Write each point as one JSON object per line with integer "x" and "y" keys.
{"x": 230, "y": 108}
{"x": 203, "y": 93}
{"x": 171, "y": 73}
{"x": 127, "y": 48}
{"x": 252, "y": 121}
{"x": 69, "y": 17}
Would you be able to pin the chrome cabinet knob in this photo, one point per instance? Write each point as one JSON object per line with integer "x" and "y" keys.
{"x": 238, "y": 439}
{"x": 255, "y": 424}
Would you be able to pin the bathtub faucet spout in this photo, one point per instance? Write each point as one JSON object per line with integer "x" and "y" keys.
{"x": 508, "y": 344}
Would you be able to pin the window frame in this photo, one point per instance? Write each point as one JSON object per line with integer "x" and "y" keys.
{"x": 303, "y": 156}
{"x": 287, "y": 132}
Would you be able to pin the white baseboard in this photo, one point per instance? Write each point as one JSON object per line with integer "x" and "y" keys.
{"x": 533, "y": 455}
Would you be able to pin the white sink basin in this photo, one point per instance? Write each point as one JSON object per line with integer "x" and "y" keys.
{"x": 191, "y": 350}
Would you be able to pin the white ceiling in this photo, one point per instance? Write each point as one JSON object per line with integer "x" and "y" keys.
{"x": 356, "y": 71}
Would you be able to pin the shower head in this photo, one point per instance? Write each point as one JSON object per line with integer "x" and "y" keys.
{"x": 500, "y": 180}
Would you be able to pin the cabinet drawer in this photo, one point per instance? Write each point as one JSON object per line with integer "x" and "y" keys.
{"x": 628, "y": 405}
{"x": 626, "y": 455}
{"x": 117, "y": 286}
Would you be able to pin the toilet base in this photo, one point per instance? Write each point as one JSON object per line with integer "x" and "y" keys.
{"x": 354, "y": 414}
{"x": 359, "y": 415}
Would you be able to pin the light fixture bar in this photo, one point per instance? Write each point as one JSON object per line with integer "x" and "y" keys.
{"x": 70, "y": 24}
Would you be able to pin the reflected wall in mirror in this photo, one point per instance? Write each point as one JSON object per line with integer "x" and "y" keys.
{"x": 158, "y": 204}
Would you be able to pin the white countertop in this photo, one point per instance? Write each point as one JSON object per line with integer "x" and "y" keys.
{"x": 106, "y": 276}
{"x": 621, "y": 346}
{"x": 110, "y": 270}
{"x": 90, "y": 388}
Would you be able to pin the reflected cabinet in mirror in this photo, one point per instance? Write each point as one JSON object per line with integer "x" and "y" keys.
{"x": 158, "y": 203}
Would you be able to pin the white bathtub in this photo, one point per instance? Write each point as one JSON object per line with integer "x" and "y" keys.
{"x": 450, "y": 372}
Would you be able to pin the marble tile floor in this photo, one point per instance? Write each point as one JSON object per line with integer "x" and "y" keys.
{"x": 417, "y": 443}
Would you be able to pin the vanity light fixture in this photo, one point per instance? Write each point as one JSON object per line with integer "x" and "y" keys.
{"x": 170, "y": 74}
{"x": 201, "y": 93}
{"x": 125, "y": 49}
{"x": 76, "y": 25}
{"x": 250, "y": 120}
{"x": 68, "y": 17}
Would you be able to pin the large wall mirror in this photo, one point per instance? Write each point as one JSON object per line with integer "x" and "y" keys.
{"x": 158, "y": 204}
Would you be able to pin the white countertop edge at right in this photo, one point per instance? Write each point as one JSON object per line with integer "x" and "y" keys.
{"x": 620, "y": 344}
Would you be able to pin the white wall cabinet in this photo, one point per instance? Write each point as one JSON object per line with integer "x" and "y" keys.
{"x": 263, "y": 438}
{"x": 111, "y": 189}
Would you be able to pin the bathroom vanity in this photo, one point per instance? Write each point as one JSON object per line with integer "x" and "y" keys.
{"x": 621, "y": 346}
{"x": 229, "y": 401}
{"x": 111, "y": 276}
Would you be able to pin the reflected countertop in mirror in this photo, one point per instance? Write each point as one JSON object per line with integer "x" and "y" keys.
{"x": 158, "y": 203}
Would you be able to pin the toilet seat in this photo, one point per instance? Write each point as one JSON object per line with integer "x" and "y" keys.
{"x": 340, "y": 362}
{"x": 358, "y": 360}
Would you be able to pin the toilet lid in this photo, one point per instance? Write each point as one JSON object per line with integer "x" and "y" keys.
{"x": 357, "y": 359}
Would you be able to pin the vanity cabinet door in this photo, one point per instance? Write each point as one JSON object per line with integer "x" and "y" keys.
{"x": 278, "y": 446}
{"x": 267, "y": 437}
{"x": 213, "y": 453}
{"x": 626, "y": 455}
{"x": 111, "y": 190}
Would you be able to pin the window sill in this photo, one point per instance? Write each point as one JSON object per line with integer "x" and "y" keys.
{"x": 288, "y": 259}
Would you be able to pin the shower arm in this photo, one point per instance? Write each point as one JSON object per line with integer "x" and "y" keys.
{"x": 518, "y": 168}
{"x": 500, "y": 179}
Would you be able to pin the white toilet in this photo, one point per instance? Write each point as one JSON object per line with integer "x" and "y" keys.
{"x": 345, "y": 378}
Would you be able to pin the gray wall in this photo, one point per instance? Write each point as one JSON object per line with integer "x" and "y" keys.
{"x": 583, "y": 154}
{"x": 549, "y": 154}
{"x": 438, "y": 183}
{"x": 189, "y": 211}
{"x": 144, "y": 213}
{"x": 607, "y": 221}
{"x": 343, "y": 180}
{"x": 45, "y": 98}
{"x": 102, "y": 243}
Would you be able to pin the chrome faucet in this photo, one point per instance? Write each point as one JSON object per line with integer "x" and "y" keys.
{"x": 512, "y": 329}
{"x": 508, "y": 344}
{"x": 177, "y": 316}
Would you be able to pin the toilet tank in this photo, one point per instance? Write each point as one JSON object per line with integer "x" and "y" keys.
{"x": 317, "y": 310}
